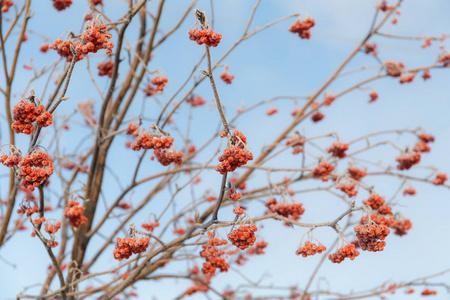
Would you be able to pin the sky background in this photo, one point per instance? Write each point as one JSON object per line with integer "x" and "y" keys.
{"x": 272, "y": 63}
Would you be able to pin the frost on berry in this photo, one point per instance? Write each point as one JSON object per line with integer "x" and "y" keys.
{"x": 26, "y": 113}
{"x": 302, "y": 27}
{"x": 323, "y": 170}
{"x": 128, "y": 246}
{"x": 74, "y": 213}
{"x": 310, "y": 249}
{"x": 371, "y": 237}
{"x": 236, "y": 155}
{"x": 421, "y": 147}
{"x": 243, "y": 237}
{"x": 205, "y": 36}
{"x": 288, "y": 210}
{"x": 233, "y": 195}
{"x": 105, "y": 68}
{"x": 35, "y": 169}
{"x": 61, "y": 4}
{"x": 427, "y": 138}
{"x": 440, "y": 179}
{"x": 375, "y": 201}
{"x": 338, "y": 150}
{"x": 168, "y": 157}
{"x": 214, "y": 258}
{"x": 347, "y": 251}
{"x": 149, "y": 141}
{"x": 406, "y": 161}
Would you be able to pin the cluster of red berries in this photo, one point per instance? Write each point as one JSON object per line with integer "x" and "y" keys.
{"x": 428, "y": 292}
{"x": 147, "y": 141}
{"x": 132, "y": 130}
{"x": 405, "y": 162}
{"x": 444, "y": 59}
{"x": 302, "y": 27}
{"x": 356, "y": 173}
{"x": 322, "y": 170}
{"x": 197, "y": 287}
{"x": 226, "y": 77}
{"x": 243, "y": 237}
{"x": 38, "y": 221}
{"x": 35, "y": 169}
{"x": 407, "y": 78}
{"x": 213, "y": 257}
{"x": 232, "y": 195}
{"x": 74, "y": 213}
{"x": 409, "y": 191}
{"x": 63, "y": 49}
{"x": 422, "y": 145}
{"x": 440, "y": 179}
{"x": 291, "y": 210}
{"x": 384, "y": 7}
{"x": 368, "y": 48}
{"x": 238, "y": 211}
{"x": 426, "y": 74}
{"x": 6, "y": 4}
{"x": 105, "y": 68}
{"x": 347, "y": 251}
{"x": 379, "y": 219}
{"x": 25, "y": 113}
{"x": 373, "y": 96}
{"x": 236, "y": 156}
{"x": 297, "y": 143}
{"x": 401, "y": 226}
{"x": 150, "y": 226}
{"x": 52, "y": 228}
{"x": 318, "y": 116}
{"x": 167, "y": 157}
{"x": 310, "y": 249}
{"x": 156, "y": 85}
{"x": 128, "y": 246}
{"x": 394, "y": 69}
{"x": 61, "y": 4}
{"x": 338, "y": 150}
{"x": 409, "y": 291}
{"x": 349, "y": 189}
{"x": 375, "y": 201}
{"x": 271, "y": 111}
{"x": 205, "y": 36}
{"x": 328, "y": 99}
{"x": 369, "y": 236}
{"x": 96, "y": 2}
{"x": 28, "y": 208}
{"x": 258, "y": 249}
{"x": 195, "y": 101}
{"x": 10, "y": 161}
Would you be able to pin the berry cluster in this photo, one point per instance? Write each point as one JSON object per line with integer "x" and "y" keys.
{"x": 394, "y": 69}
{"x": 243, "y": 237}
{"x": 105, "y": 68}
{"x": 302, "y": 27}
{"x": 213, "y": 257}
{"x": 384, "y": 7}
{"x": 373, "y": 96}
{"x": 318, "y": 116}
{"x": 147, "y": 141}
{"x": 61, "y": 4}
{"x": 271, "y": 111}
{"x": 310, "y": 249}
{"x": 150, "y": 226}
{"x": 195, "y": 101}
{"x": 328, "y": 99}
{"x": 25, "y": 113}
{"x": 368, "y": 48}
{"x": 421, "y": 147}
{"x": 132, "y": 130}
{"x": 236, "y": 156}
{"x": 291, "y": 210}
{"x": 428, "y": 292}
{"x": 156, "y": 85}
{"x": 401, "y": 226}
{"x": 258, "y": 249}
{"x": 348, "y": 251}
{"x": 28, "y": 208}
{"x": 338, "y": 150}
{"x": 38, "y": 221}
{"x": 167, "y": 157}
{"x": 426, "y": 74}
{"x": 35, "y": 169}
{"x": 52, "y": 228}
{"x": 405, "y": 162}
{"x": 379, "y": 219}
{"x": 440, "y": 179}
{"x": 238, "y": 211}
{"x": 322, "y": 170}
{"x": 74, "y": 214}
{"x": 356, "y": 173}
{"x": 6, "y": 4}
{"x": 296, "y": 143}
{"x": 407, "y": 78}
{"x": 369, "y": 236}
{"x": 232, "y": 195}
{"x": 427, "y": 138}
{"x": 349, "y": 189}
{"x": 197, "y": 287}
{"x": 63, "y": 49}
{"x": 409, "y": 191}
{"x": 95, "y": 38}
{"x": 375, "y": 201}
{"x": 128, "y": 246}
{"x": 10, "y": 161}
{"x": 444, "y": 59}
{"x": 226, "y": 77}
{"x": 205, "y": 36}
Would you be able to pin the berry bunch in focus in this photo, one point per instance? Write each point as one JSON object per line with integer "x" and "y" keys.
{"x": 128, "y": 246}
{"x": 26, "y": 113}
{"x": 302, "y": 27}
{"x": 310, "y": 249}
{"x": 243, "y": 237}
{"x": 74, "y": 213}
{"x": 348, "y": 251}
{"x": 205, "y": 36}
{"x": 235, "y": 156}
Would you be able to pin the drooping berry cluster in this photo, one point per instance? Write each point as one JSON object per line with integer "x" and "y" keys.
{"x": 61, "y": 4}
{"x": 213, "y": 257}
{"x": 128, "y": 246}
{"x": 338, "y": 150}
{"x": 195, "y": 100}
{"x": 322, "y": 170}
{"x": 150, "y": 226}
{"x": 63, "y": 49}
{"x": 401, "y": 226}
{"x": 328, "y": 99}
{"x": 356, "y": 173}
{"x": 375, "y": 201}
{"x": 369, "y": 236}
{"x": 51, "y": 228}
{"x": 310, "y": 249}
{"x": 156, "y": 85}
{"x": 205, "y": 36}
{"x": 148, "y": 141}
{"x": 440, "y": 179}
{"x": 422, "y": 145}
{"x": 302, "y": 27}
{"x": 105, "y": 68}
{"x": 258, "y": 249}
{"x": 379, "y": 219}
{"x": 243, "y": 237}
{"x": 394, "y": 69}
{"x": 271, "y": 111}
{"x": 368, "y": 48}
{"x": 404, "y": 78}
{"x": 197, "y": 287}
{"x": 405, "y": 162}
{"x": 426, "y": 74}
{"x": 236, "y": 156}
{"x": 25, "y": 113}
{"x": 373, "y": 96}
{"x": 28, "y": 207}
{"x": 428, "y": 292}
{"x": 6, "y": 4}
{"x": 347, "y": 251}
{"x": 10, "y": 160}
{"x": 35, "y": 169}
{"x": 132, "y": 130}
{"x": 167, "y": 157}
{"x": 233, "y": 195}
{"x": 409, "y": 191}
{"x": 74, "y": 213}
{"x": 444, "y": 59}
{"x": 296, "y": 143}
{"x": 226, "y": 77}
{"x": 349, "y": 189}
{"x": 290, "y": 210}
